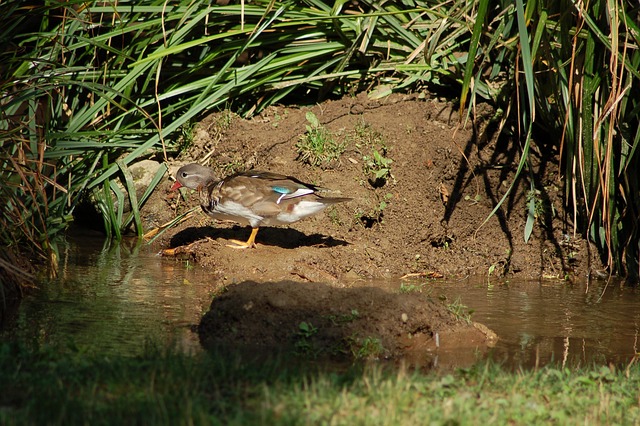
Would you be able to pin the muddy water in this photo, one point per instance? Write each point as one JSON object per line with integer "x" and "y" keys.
{"x": 550, "y": 321}
{"x": 112, "y": 298}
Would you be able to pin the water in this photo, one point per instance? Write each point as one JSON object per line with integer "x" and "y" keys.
{"x": 112, "y": 298}
{"x": 551, "y": 321}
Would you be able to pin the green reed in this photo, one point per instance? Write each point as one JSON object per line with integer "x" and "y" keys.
{"x": 572, "y": 69}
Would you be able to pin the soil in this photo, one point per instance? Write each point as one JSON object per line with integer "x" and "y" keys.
{"x": 429, "y": 217}
{"x": 322, "y": 321}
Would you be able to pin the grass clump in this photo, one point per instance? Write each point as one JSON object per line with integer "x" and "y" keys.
{"x": 317, "y": 146}
{"x": 366, "y": 348}
{"x": 411, "y": 287}
{"x": 45, "y": 386}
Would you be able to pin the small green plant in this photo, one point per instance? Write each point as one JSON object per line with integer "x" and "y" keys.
{"x": 306, "y": 330}
{"x": 223, "y": 121}
{"x": 317, "y": 146}
{"x": 501, "y": 267}
{"x": 376, "y": 214}
{"x": 490, "y": 272}
{"x": 185, "y": 137}
{"x": 365, "y": 135}
{"x": 334, "y": 217}
{"x": 367, "y": 348}
{"x": 460, "y": 311}
{"x": 277, "y": 118}
{"x": 474, "y": 200}
{"x": 303, "y": 345}
{"x": 232, "y": 167}
{"x": 377, "y": 167}
{"x": 411, "y": 288}
{"x": 344, "y": 318}
{"x": 382, "y": 205}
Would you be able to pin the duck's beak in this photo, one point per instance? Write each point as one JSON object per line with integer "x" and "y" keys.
{"x": 176, "y": 186}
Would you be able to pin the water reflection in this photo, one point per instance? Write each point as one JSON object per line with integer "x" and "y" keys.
{"x": 112, "y": 298}
{"x": 541, "y": 322}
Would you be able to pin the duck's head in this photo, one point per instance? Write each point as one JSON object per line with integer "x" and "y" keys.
{"x": 193, "y": 176}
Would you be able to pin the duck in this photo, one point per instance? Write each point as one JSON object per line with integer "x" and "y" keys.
{"x": 253, "y": 198}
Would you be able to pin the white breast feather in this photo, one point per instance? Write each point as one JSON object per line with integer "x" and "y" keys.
{"x": 237, "y": 210}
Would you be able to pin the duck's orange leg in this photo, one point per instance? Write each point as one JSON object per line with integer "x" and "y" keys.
{"x": 250, "y": 243}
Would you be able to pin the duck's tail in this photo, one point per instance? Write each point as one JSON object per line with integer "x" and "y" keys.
{"x": 332, "y": 200}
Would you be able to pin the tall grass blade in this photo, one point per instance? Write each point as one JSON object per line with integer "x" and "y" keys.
{"x": 478, "y": 28}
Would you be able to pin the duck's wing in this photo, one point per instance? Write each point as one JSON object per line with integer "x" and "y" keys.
{"x": 264, "y": 193}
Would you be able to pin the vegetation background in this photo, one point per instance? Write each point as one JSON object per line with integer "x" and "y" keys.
{"x": 88, "y": 88}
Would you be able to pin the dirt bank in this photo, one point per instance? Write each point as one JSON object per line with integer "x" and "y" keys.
{"x": 443, "y": 182}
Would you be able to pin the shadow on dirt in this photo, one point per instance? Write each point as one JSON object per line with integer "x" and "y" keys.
{"x": 287, "y": 238}
{"x": 318, "y": 321}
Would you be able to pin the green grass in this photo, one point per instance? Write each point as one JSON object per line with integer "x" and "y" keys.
{"x": 411, "y": 287}
{"x": 460, "y": 311}
{"x": 44, "y": 386}
{"x": 366, "y": 348}
{"x": 318, "y": 146}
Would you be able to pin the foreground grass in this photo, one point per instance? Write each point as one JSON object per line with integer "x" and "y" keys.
{"x": 44, "y": 386}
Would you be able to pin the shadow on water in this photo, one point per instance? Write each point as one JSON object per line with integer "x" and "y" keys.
{"x": 113, "y": 298}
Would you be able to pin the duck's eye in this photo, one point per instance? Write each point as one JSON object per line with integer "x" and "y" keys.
{"x": 184, "y": 174}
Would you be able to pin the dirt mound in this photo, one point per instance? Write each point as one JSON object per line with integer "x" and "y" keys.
{"x": 319, "y": 321}
{"x": 417, "y": 204}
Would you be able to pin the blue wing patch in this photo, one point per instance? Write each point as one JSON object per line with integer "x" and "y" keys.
{"x": 281, "y": 190}
{"x": 286, "y": 193}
